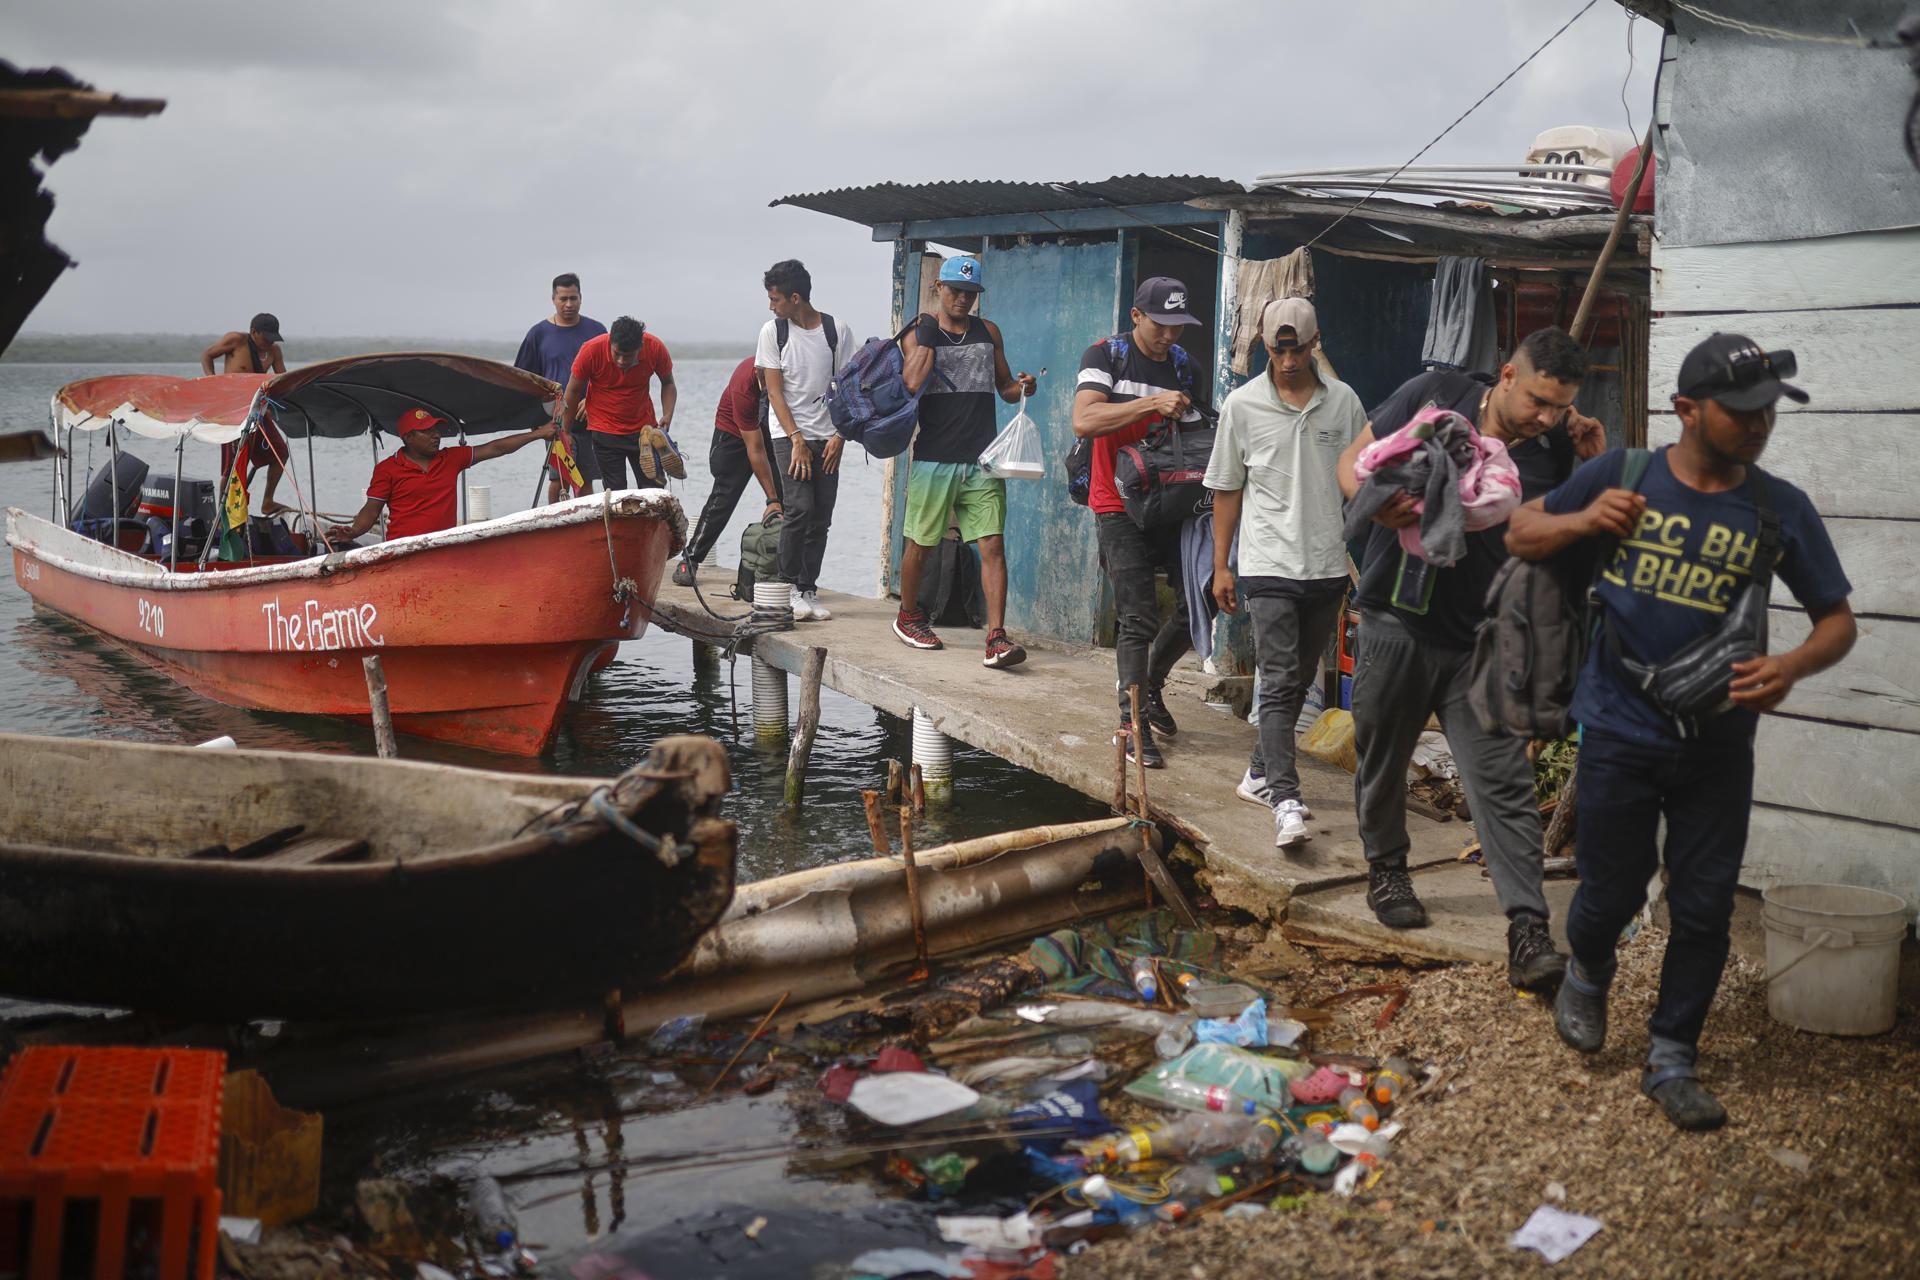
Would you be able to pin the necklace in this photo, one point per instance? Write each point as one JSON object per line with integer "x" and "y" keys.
{"x": 956, "y": 341}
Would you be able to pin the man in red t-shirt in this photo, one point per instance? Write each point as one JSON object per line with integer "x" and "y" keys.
{"x": 419, "y": 483}
{"x": 739, "y": 452}
{"x": 615, "y": 370}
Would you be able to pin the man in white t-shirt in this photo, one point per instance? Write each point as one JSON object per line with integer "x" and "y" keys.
{"x": 800, "y": 350}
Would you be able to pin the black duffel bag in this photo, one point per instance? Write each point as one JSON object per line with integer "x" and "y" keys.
{"x": 1162, "y": 477}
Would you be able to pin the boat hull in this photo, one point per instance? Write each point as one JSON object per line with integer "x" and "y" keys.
{"x": 484, "y": 632}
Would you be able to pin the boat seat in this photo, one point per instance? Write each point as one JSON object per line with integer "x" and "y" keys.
{"x": 317, "y": 849}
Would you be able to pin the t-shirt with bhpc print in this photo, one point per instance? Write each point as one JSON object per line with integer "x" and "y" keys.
{"x": 1673, "y": 581}
{"x": 1133, "y": 377}
{"x": 1443, "y": 607}
{"x": 806, "y": 367}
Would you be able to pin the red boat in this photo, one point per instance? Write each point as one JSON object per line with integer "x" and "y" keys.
{"x": 484, "y": 630}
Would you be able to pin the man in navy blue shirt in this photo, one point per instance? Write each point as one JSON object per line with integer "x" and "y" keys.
{"x": 1685, "y": 544}
{"x": 548, "y": 350}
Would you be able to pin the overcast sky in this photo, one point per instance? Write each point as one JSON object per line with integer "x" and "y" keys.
{"x": 424, "y": 167}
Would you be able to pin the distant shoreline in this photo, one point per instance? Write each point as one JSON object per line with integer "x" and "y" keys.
{"x": 185, "y": 348}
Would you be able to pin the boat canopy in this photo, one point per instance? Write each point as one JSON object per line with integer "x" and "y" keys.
{"x": 212, "y": 410}
{"x": 334, "y": 398}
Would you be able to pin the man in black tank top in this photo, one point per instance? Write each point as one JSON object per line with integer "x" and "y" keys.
{"x": 962, "y": 362}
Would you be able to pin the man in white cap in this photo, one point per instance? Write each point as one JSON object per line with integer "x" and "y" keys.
{"x": 1275, "y": 474}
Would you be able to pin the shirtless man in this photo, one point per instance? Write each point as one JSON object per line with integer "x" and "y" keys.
{"x": 255, "y": 351}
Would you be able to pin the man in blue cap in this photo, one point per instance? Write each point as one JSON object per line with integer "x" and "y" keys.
{"x": 1684, "y": 548}
{"x": 956, "y": 424}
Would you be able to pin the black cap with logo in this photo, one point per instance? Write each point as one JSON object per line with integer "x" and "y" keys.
{"x": 1163, "y": 300}
{"x": 1734, "y": 370}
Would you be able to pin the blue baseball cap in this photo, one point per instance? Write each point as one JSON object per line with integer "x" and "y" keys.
{"x": 962, "y": 273}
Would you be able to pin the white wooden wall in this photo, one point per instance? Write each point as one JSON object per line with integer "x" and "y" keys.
{"x": 1838, "y": 784}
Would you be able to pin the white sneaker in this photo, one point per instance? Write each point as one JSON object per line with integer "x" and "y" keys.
{"x": 1290, "y": 823}
{"x": 815, "y": 610}
{"x": 1254, "y": 790}
{"x": 802, "y": 612}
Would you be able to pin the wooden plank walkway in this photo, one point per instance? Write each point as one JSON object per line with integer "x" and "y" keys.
{"x": 1055, "y": 714}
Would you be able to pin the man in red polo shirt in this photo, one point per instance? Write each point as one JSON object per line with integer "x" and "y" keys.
{"x": 419, "y": 483}
{"x": 614, "y": 372}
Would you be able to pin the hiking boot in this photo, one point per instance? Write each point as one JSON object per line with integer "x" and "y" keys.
{"x": 1289, "y": 823}
{"x": 1140, "y": 745}
{"x": 683, "y": 574}
{"x": 1159, "y": 719}
{"x": 1682, "y": 1097}
{"x": 1390, "y": 894}
{"x": 1532, "y": 962}
{"x": 1001, "y": 652}
{"x": 912, "y": 629}
{"x": 1580, "y": 1011}
{"x": 1254, "y": 789}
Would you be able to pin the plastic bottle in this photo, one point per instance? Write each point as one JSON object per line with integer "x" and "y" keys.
{"x": 1201, "y": 1182}
{"x": 1391, "y": 1081}
{"x": 493, "y": 1220}
{"x": 1365, "y": 1162}
{"x": 1354, "y": 1102}
{"x": 1196, "y": 1134}
{"x": 1314, "y": 1152}
{"x": 1184, "y": 981}
{"x": 1263, "y": 1139}
{"x": 1144, "y": 980}
{"x": 1179, "y": 1091}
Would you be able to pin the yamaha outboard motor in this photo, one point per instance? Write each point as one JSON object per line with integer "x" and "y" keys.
{"x": 94, "y": 516}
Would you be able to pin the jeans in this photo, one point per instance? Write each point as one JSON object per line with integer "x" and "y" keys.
{"x": 1289, "y": 634}
{"x": 732, "y": 471}
{"x": 808, "y": 508}
{"x": 1705, "y": 790}
{"x": 614, "y": 454}
{"x": 1143, "y": 649}
{"x": 1397, "y": 683}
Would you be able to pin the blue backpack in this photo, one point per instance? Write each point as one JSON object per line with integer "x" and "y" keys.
{"x": 869, "y": 401}
{"x": 1080, "y": 455}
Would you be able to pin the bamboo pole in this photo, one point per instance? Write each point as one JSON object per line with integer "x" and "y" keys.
{"x": 811, "y": 668}
{"x": 896, "y": 782}
{"x": 749, "y": 1044}
{"x": 1140, "y": 757}
{"x": 913, "y": 897}
{"x": 377, "y": 703}
{"x": 1613, "y": 238}
{"x": 876, "y": 823}
{"x": 1120, "y": 770}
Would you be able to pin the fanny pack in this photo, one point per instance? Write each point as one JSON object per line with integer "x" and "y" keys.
{"x": 1691, "y": 685}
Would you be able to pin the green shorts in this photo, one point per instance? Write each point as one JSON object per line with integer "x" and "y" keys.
{"x": 978, "y": 502}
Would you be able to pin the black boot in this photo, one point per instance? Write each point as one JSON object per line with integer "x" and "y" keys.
{"x": 1580, "y": 1010}
{"x": 1532, "y": 962}
{"x": 1390, "y": 894}
{"x": 1681, "y": 1096}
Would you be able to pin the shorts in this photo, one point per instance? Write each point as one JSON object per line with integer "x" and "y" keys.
{"x": 977, "y": 501}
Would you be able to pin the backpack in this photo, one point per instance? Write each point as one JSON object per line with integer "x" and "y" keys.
{"x": 950, "y": 587}
{"x": 1528, "y": 652}
{"x": 759, "y": 556}
{"x": 869, "y": 401}
{"x": 1079, "y": 459}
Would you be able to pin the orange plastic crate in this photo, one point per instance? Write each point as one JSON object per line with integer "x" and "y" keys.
{"x": 113, "y": 1126}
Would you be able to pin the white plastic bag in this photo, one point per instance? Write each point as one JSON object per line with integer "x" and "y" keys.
{"x": 1015, "y": 452}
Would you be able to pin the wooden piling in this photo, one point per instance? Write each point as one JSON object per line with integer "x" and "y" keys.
{"x": 920, "y": 970}
{"x": 1120, "y": 771}
{"x": 896, "y": 782}
{"x": 377, "y": 703}
{"x": 876, "y": 823}
{"x": 1133, "y": 698}
{"x": 797, "y": 756}
{"x": 919, "y": 791}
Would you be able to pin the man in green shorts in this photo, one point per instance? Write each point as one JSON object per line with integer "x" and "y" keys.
{"x": 956, "y": 425}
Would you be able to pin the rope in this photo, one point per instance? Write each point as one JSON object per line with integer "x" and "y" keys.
{"x": 1775, "y": 33}
{"x": 626, "y": 591}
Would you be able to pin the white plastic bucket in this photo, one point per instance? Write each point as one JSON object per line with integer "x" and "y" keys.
{"x": 1833, "y": 957}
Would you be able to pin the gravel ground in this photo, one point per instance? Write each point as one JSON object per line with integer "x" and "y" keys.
{"x": 1816, "y": 1174}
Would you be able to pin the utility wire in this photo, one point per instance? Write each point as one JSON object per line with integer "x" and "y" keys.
{"x": 1774, "y": 33}
{"x": 1450, "y": 128}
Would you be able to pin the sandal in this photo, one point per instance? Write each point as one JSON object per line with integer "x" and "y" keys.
{"x": 1322, "y": 1086}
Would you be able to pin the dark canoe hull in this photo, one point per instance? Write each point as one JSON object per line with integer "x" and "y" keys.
{"x": 544, "y": 922}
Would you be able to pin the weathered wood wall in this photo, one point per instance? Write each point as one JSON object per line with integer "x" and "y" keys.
{"x": 1837, "y": 795}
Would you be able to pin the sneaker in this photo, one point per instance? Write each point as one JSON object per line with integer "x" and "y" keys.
{"x": 1002, "y": 652}
{"x": 1254, "y": 790}
{"x": 1140, "y": 746}
{"x": 802, "y": 607}
{"x": 1290, "y": 823}
{"x": 1580, "y": 1011}
{"x": 912, "y": 629}
{"x": 683, "y": 574}
{"x": 1158, "y": 717}
{"x": 1683, "y": 1098}
{"x": 1390, "y": 894}
{"x": 1532, "y": 962}
{"x": 655, "y": 448}
{"x": 816, "y": 611}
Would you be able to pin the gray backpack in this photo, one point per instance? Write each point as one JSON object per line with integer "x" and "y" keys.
{"x": 1528, "y": 652}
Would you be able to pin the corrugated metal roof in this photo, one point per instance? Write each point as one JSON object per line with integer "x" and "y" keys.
{"x": 898, "y": 202}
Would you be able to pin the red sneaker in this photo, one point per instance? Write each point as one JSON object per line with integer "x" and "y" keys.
{"x": 912, "y": 629}
{"x": 1002, "y": 652}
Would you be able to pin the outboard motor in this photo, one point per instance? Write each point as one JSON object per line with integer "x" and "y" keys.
{"x": 94, "y": 516}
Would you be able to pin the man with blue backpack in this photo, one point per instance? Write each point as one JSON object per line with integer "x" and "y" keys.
{"x": 957, "y": 363}
{"x": 1131, "y": 385}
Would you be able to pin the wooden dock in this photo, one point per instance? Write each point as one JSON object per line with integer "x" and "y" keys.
{"x": 1055, "y": 714}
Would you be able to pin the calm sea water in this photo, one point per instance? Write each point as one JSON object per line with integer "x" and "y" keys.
{"x": 56, "y": 679}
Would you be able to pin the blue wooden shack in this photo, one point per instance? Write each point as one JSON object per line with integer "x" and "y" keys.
{"x": 1061, "y": 260}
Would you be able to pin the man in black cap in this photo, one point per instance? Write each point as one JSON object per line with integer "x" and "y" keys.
{"x": 1687, "y": 538}
{"x": 1129, "y": 385}
{"x": 255, "y": 351}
